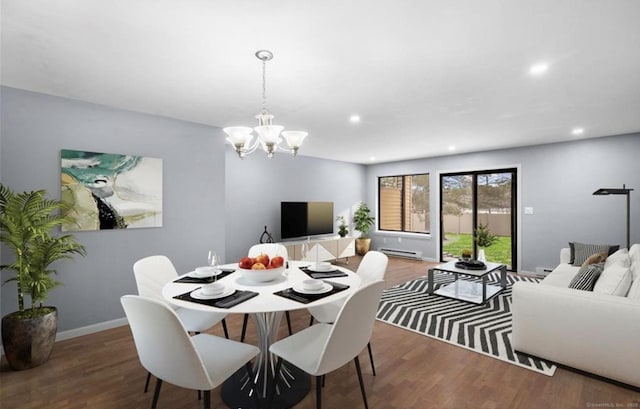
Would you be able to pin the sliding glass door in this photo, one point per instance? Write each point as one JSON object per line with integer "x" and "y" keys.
{"x": 479, "y": 204}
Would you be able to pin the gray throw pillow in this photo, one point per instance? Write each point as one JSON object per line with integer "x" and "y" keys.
{"x": 587, "y": 276}
{"x": 581, "y": 251}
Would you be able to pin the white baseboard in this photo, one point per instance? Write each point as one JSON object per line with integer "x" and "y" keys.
{"x": 89, "y": 329}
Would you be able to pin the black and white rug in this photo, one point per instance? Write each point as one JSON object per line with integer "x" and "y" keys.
{"x": 485, "y": 329}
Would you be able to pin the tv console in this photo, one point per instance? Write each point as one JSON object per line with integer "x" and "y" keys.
{"x": 322, "y": 249}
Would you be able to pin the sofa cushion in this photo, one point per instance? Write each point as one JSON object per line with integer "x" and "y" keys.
{"x": 619, "y": 257}
{"x": 561, "y": 276}
{"x": 581, "y": 251}
{"x": 614, "y": 280}
{"x": 634, "y": 291}
{"x": 587, "y": 277}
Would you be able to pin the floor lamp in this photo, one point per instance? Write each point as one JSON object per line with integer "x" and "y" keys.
{"x": 618, "y": 191}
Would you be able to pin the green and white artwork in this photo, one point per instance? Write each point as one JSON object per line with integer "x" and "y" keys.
{"x": 111, "y": 191}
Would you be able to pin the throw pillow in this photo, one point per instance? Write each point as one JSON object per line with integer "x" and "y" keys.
{"x": 595, "y": 259}
{"x": 586, "y": 277}
{"x": 614, "y": 280}
{"x": 581, "y": 251}
{"x": 619, "y": 257}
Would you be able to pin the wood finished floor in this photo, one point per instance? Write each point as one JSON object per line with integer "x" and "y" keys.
{"x": 102, "y": 371}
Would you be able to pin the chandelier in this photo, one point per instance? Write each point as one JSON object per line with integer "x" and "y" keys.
{"x": 268, "y": 136}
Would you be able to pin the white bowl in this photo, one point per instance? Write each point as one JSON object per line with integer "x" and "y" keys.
{"x": 261, "y": 276}
{"x": 212, "y": 289}
{"x": 312, "y": 284}
{"x": 322, "y": 266}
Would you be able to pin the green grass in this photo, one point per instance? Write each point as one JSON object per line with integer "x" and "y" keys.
{"x": 499, "y": 252}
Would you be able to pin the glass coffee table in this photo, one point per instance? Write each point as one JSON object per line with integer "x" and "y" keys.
{"x": 472, "y": 286}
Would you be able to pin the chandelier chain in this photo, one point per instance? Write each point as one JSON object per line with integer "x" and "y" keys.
{"x": 264, "y": 86}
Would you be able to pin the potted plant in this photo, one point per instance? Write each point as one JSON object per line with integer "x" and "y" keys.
{"x": 466, "y": 254}
{"x": 27, "y": 221}
{"x": 484, "y": 238}
{"x": 342, "y": 226}
{"x": 362, "y": 221}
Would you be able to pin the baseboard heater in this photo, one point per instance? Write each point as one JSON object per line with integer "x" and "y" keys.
{"x": 401, "y": 253}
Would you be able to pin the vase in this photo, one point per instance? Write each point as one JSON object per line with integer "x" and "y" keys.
{"x": 28, "y": 342}
{"x": 481, "y": 256}
{"x": 362, "y": 246}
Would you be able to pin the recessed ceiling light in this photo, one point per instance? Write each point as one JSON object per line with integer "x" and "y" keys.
{"x": 372, "y": 158}
{"x": 539, "y": 68}
{"x": 452, "y": 148}
{"x": 354, "y": 119}
{"x": 577, "y": 131}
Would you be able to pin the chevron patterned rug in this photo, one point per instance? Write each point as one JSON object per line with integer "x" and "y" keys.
{"x": 485, "y": 329}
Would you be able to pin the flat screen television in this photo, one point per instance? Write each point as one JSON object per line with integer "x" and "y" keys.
{"x": 299, "y": 219}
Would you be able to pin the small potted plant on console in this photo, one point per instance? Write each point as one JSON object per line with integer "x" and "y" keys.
{"x": 342, "y": 226}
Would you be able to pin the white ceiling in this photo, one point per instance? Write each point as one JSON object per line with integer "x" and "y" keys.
{"x": 423, "y": 75}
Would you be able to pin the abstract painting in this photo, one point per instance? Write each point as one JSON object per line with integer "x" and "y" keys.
{"x": 111, "y": 191}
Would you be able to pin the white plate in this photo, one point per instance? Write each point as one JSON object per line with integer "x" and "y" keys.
{"x": 320, "y": 269}
{"x": 326, "y": 287}
{"x": 205, "y": 272}
{"x": 197, "y": 294}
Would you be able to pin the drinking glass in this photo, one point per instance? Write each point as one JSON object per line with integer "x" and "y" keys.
{"x": 214, "y": 261}
{"x": 304, "y": 250}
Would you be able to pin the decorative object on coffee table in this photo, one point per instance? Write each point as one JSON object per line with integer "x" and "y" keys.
{"x": 466, "y": 254}
{"x": 484, "y": 238}
{"x": 617, "y": 191}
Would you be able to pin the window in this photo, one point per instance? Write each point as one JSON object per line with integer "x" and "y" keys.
{"x": 404, "y": 203}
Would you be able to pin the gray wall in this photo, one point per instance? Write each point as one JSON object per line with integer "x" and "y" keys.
{"x": 203, "y": 206}
{"x": 214, "y": 199}
{"x": 557, "y": 180}
{"x": 34, "y": 129}
{"x": 256, "y": 185}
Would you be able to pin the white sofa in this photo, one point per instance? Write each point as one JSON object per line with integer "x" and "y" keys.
{"x": 588, "y": 330}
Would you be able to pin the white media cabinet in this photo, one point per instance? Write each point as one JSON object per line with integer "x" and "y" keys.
{"x": 322, "y": 249}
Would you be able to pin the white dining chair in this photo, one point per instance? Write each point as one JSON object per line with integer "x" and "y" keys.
{"x": 323, "y": 348}
{"x": 165, "y": 349}
{"x": 272, "y": 249}
{"x": 151, "y": 274}
{"x": 372, "y": 268}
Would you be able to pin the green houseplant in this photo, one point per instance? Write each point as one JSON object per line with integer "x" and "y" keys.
{"x": 362, "y": 221}
{"x": 484, "y": 238}
{"x": 342, "y": 226}
{"x": 27, "y": 222}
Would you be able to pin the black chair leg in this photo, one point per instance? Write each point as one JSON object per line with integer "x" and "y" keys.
{"x": 244, "y": 327}
{"x": 288, "y": 322}
{"x": 373, "y": 368}
{"x": 224, "y": 327}
{"x": 311, "y": 320}
{"x": 275, "y": 384}
{"x": 364, "y": 393}
{"x": 319, "y": 392}
{"x": 146, "y": 384}
{"x": 207, "y": 399}
{"x": 199, "y": 395}
{"x": 156, "y": 393}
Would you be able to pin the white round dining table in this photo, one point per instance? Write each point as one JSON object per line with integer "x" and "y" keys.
{"x": 266, "y": 309}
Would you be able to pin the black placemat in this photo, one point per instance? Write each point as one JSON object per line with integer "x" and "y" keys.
{"x": 323, "y": 274}
{"x": 229, "y": 301}
{"x": 203, "y": 280}
{"x": 307, "y": 298}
